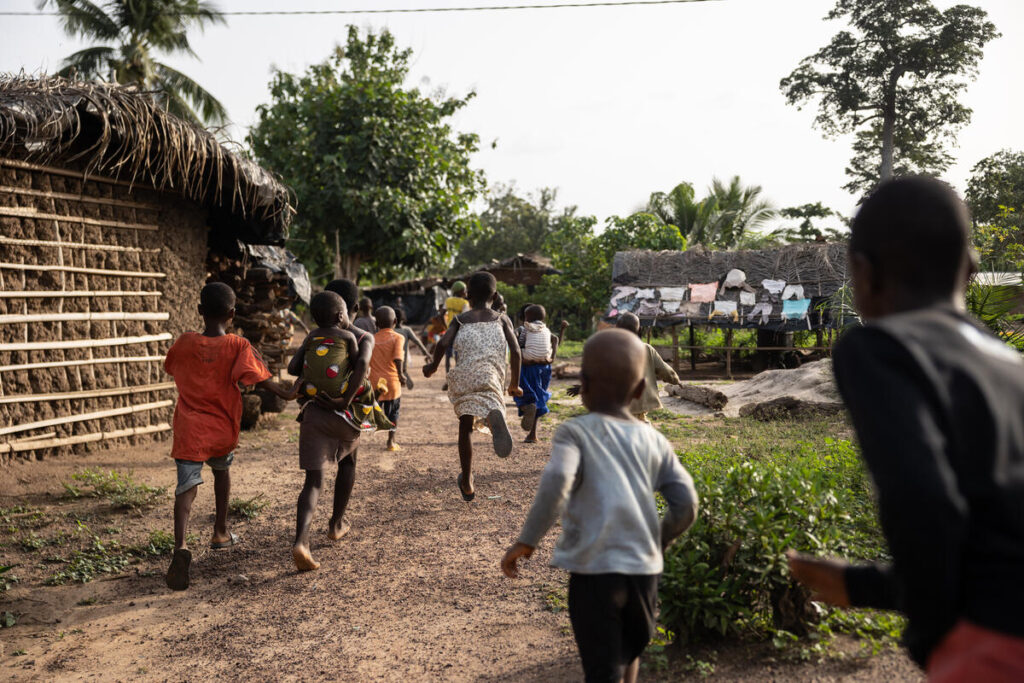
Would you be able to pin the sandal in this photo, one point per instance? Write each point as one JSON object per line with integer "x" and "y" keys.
{"x": 177, "y": 574}
{"x": 500, "y": 436}
{"x": 465, "y": 496}
{"x": 220, "y": 545}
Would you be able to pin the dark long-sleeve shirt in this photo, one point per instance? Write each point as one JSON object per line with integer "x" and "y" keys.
{"x": 938, "y": 405}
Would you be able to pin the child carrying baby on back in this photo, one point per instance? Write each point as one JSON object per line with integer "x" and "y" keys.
{"x": 326, "y": 368}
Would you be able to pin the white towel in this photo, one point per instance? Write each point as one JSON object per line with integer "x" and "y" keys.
{"x": 774, "y": 286}
{"x": 748, "y": 298}
{"x": 793, "y": 292}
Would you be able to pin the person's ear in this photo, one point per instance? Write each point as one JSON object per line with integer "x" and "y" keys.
{"x": 638, "y": 392}
{"x": 230, "y": 314}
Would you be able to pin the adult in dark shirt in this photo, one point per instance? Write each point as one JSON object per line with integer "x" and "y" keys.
{"x": 938, "y": 406}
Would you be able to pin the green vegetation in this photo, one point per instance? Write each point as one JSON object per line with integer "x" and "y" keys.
{"x": 995, "y": 191}
{"x": 250, "y": 508}
{"x": 728, "y": 213}
{"x": 7, "y": 579}
{"x": 893, "y": 80}
{"x": 118, "y": 488}
{"x": 129, "y": 36}
{"x": 375, "y": 165}
{"x": 108, "y": 557}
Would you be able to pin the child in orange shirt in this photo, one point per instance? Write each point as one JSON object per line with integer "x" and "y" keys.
{"x": 386, "y": 372}
{"x": 207, "y": 369}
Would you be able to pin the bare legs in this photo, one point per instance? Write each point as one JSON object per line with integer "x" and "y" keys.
{"x": 308, "y": 498}
{"x": 183, "y": 510}
{"x": 466, "y": 452}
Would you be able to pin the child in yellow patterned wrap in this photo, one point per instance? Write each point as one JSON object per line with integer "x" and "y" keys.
{"x": 326, "y": 369}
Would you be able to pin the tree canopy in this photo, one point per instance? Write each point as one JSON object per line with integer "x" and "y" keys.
{"x": 131, "y": 34}
{"x": 893, "y": 80}
{"x": 719, "y": 220}
{"x": 376, "y": 167}
{"x": 511, "y": 224}
{"x": 997, "y": 184}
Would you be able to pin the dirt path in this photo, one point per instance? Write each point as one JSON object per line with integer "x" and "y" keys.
{"x": 413, "y": 593}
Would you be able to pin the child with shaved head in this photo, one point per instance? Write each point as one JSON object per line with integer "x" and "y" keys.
{"x": 604, "y": 470}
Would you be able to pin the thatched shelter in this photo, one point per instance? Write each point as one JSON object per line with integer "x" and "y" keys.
{"x": 107, "y": 205}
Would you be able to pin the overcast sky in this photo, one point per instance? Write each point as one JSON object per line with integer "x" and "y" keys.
{"x": 608, "y": 103}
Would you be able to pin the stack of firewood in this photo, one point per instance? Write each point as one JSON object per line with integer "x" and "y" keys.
{"x": 262, "y": 309}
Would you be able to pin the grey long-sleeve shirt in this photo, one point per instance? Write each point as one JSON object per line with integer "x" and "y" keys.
{"x": 603, "y": 473}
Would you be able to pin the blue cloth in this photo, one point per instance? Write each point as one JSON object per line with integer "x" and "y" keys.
{"x": 795, "y": 308}
{"x": 534, "y": 380}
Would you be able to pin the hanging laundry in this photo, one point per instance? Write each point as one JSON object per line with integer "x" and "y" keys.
{"x": 670, "y": 306}
{"x": 764, "y": 309}
{"x": 793, "y": 292}
{"x": 734, "y": 278}
{"x": 649, "y": 309}
{"x": 748, "y": 298}
{"x": 645, "y": 293}
{"x": 727, "y": 308}
{"x": 774, "y": 286}
{"x": 672, "y": 293}
{"x": 628, "y": 306}
{"x": 795, "y": 309}
{"x": 621, "y": 293}
{"x": 704, "y": 293}
{"x": 614, "y": 313}
{"x": 691, "y": 309}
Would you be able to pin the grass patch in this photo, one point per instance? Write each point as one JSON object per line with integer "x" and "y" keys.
{"x": 250, "y": 508}
{"x": 557, "y": 599}
{"x": 7, "y": 579}
{"x": 118, "y": 488}
{"x": 570, "y": 349}
{"x": 109, "y": 557}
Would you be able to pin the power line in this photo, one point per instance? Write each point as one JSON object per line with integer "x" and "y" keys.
{"x": 410, "y": 10}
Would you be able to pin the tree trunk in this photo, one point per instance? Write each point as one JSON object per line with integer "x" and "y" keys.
{"x": 345, "y": 265}
{"x": 889, "y": 126}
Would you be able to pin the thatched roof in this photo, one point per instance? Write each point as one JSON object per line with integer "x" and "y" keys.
{"x": 819, "y": 267}
{"x": 120, "y": 132}
{"x": 521, "y": 269}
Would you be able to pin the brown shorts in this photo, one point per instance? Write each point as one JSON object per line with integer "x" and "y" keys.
{"x": 324, "y": 437}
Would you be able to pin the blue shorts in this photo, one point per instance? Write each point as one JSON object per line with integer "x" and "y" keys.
{"x": 190, "y": 472}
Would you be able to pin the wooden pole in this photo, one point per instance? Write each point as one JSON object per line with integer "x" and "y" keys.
{"x": 37, "y": 444}
{"x": 89, "y": 393}
{"x": 71, "y": 363}
{"x": 74, "y": 245}
{"x": 57, "y": 294}
{"x": 68, "y": 419}
{"x": 675, "y": 348}
{"x": 693, "y": 349}
{"x": 30, "y": 212}
{"x": 86, "y": 343}
{"x": 83, "y": 198}
{"x": 728, "y": 353}
{"x": 75, "y": 269}
{"x": 74, "y": 317}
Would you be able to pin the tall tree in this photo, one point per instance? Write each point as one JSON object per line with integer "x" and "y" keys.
{"x": 511, "y": 224}
{"x": 719, "y": 220}
{"x": 996, "y": 187}
{"x": 893, "y": 81}
{"x": 383, "y": 183}
{"x": 806, "y": 230}
{"x": 131, "y": 34}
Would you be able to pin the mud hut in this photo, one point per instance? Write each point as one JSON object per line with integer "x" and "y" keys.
{"x": 107, "y": 207}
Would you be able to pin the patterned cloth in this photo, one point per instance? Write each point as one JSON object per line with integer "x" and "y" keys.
{"x": 476, "y": 383}
{"x": 704, "y": 293}
{"x": 326, "y": 368}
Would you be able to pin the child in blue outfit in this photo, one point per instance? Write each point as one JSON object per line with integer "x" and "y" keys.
{"x": 538, "y": 346}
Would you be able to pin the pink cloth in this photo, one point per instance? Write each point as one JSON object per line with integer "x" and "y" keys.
{"x": 972, "y": 653}
{"x": 704, "y": 293}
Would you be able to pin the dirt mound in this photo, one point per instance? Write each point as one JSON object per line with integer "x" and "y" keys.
{"x": 812, "y": 382}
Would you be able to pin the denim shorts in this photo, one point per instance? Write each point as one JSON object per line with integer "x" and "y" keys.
{"x": 190, "y": 472}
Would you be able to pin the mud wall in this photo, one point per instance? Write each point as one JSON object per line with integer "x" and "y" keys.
{"x": 81, "y": 350}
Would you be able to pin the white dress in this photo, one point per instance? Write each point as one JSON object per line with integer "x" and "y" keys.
{"x": 477, "y": 383}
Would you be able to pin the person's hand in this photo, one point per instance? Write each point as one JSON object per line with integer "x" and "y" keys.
{"x": 325, "y": 401}
{"x": 573, "y": 391}
{"x": 429, "y": 369}
{"x": 293, "y": 393}
{"x": 564, "y": 325}
{"x": 826, "y": 578}
{"x": 512, "y": 555}
{"x": 401, "y": 380}
{"x": 514, "y": 390}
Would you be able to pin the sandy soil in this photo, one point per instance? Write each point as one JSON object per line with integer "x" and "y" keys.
{"x": 413, "y": 593}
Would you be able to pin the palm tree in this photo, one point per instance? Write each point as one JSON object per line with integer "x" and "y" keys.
{"x": 132, "y": 33}
{"x": 720, "y": 219}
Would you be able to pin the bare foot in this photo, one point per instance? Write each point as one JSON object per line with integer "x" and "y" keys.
{"x": 336, "y": 531}
{"x": 304, "y": 562}
{"x": 530, "y": 439}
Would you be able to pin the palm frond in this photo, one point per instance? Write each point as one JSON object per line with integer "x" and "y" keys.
{"x": 85, "y": 19}
{"x": 200, "y": 100}
{"x": 90, "y": 63}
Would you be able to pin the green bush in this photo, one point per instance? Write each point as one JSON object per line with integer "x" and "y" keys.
{"x": 728, "y": 575}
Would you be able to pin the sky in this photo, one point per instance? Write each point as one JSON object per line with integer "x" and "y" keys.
{"x": 607, "y": 104}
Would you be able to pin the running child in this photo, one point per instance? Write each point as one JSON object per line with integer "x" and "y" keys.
{"x": 538, "y": 346}
{"x": 207, "y": 369}
{"x": 364, "y": 318}
{"x": 655, "y": 368}
{"x": 387, "y": 372}
{"x": 482, "y": 338}
{"x": 938, "y": 406}
{"x": 326, "y": 435}
{"x": 604, "y": 470}
{"x": 410, "y": 338}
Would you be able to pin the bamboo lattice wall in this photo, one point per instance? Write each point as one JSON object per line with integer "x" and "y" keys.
{"x": 96, "y": 279}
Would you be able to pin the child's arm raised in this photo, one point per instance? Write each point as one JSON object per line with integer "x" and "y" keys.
{"x": 552, "y": 493}
{"x": 515, "y": 356}
{"x": 555, "y": 341}
{"x": 416, "y": 340}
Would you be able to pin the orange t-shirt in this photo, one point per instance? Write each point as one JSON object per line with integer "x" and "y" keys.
{"x": 207, "y": 371}
{"x": 388, "y": 346}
